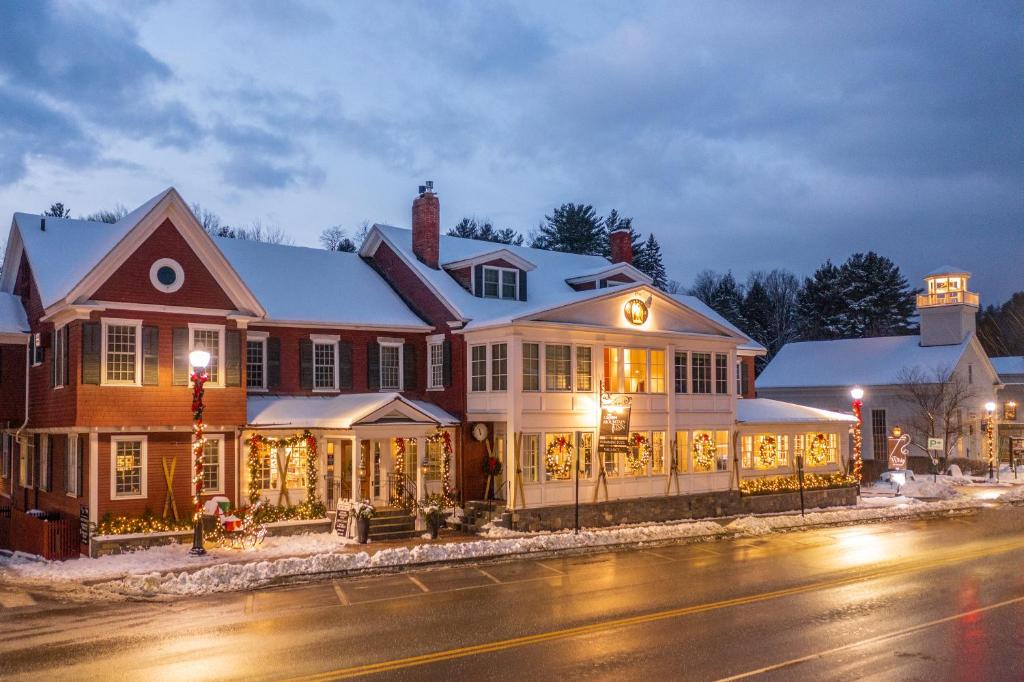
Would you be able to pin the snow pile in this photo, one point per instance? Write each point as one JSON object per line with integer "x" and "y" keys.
{"x": 941, "y": 489}
{"x": 761, "y": 525}
{"x": 1015, "y": 495}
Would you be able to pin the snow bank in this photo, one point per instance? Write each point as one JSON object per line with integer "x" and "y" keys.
{"x": 1015, "y": 495}
{"x": 937, "y": 487}
{"x": 761, "y": 525}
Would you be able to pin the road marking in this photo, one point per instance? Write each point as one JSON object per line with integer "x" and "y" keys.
{"x": 10, "y": 600}
{"x": 871, "y": 640}
{"x": 250, "y": 603}
{"x": 660, "y": 556}
{"x": 418, "y": 583}
{"x": 544, "y": 565}
{"x": 488, "y": 575}
{"x": 341, "y": 594}
{"x": 603, "y": 626}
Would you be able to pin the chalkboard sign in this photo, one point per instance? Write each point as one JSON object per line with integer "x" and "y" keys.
{"x": 341, "y": 518}
{"x": 83, "y": 525}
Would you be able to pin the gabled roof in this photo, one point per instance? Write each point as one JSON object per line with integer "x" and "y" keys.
{"x": 13, "y": 321}
{"x": 1009, "y": 366}
{"x": 707, "y": 311}
{"x": 848, "y": 362}
{"x": 337, "y": 411}
{"x": 316, "y": 286}
{"x": 609, "y": 270}
{"x": 765, "y": 411}
{"x": 487, "y": 256}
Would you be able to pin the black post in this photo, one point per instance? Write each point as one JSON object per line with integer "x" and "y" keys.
{"x": 576, "y": 520}
{"x": 800, "y": 478}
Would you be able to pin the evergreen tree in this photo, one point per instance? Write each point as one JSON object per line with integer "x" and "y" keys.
{"x": 508, "y": 236}
{"x": 650, "y": 262}
{"x": 57, "y": 210}
{"x": 465, "y": 228}
{"x": 721, "y": 293}
{"x": 756, "y": 310}
{"x": 572, "y": 228}
{"x": 820, "y": 307}
{"x": 878, "y": 299}
{"x": 470, "y": 228}
{"x": 1001, "y": 329}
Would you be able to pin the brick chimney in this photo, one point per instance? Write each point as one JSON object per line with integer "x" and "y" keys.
{"x": 622, "y": 246}
{"x": 426, "y": 225}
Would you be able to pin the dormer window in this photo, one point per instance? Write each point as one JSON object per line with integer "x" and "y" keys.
{"x": 501, "y": 282}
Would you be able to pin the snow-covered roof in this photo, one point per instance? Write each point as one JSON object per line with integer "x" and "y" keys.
{"x": 947, "y": 270}
{"x": 334, "y": 412}
{"x": 12, "y": 315}
{"x": 848, "y": 362}
{"x": 1012, "y": 365}
{"x": 301, "y": 284}
{"x": 67, "y": 250}
{"x": 765, "y": 411}
{"x": 704, "y": 309}
{"x": 546, "y": 286}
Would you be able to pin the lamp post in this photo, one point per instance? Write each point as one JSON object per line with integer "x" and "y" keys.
{"x": 857, "y": 393}
{"x": 990, "y": 408}
{"x": 199, "y": 359}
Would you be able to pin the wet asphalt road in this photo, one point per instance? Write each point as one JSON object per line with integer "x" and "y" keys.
{"x": 928, "y": 600}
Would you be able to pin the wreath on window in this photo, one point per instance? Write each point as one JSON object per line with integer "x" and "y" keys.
{"x": 639, "y": 454}
{"x": 768, "y": 451}
{"x": 817, "y": 451}
{"x": 704, "y": 451}
{"x": 557, "y": 468}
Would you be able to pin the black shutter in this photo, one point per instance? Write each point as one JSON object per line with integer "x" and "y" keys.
{"x": 91, "y": 353}
{"x": 522, "y": 285}
{"x": 273, "y": 362}
{"x": 83, "y": 462}
{"x": 150, "y": 356}
{"x": 53, "y": 366}
{"x": 344, "y": 365}
{"x": 180, "y": 371}
{"x": 409, "y": 368}
{"x": 306, "y": 364}
{"x": 233, "y": 358}
{"x": 478, "y": 280}
{"x": 373, "y": 366}
{"x": 446, "y": 366}
{"x": 33, "y": 481}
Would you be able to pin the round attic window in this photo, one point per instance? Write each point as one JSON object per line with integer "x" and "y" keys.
{"x": 166, "y": 275}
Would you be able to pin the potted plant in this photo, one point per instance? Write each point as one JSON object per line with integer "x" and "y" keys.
{"x": 434, "y": 517}
{"x": 363, "y": 512}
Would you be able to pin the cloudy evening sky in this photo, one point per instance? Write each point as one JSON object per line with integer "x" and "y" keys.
{"x": 745, "y": 136}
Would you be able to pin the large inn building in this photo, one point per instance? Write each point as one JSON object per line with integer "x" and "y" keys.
{"x": 408, "y": 363}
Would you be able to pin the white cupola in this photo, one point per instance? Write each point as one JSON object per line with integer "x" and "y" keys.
{"x": 947, "y": 309}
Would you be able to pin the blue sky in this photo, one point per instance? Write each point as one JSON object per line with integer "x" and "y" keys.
{"x": 745, "y": 136}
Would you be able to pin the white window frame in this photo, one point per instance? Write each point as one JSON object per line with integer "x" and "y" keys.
{"x": 435, "y": 343}
{"x": 532, "y": 443}
{"x": 43, "y": 479}
{"x": 37, "y": 343}
{"x": 260, "y": 338}
{"x": 219, "y": 328}
{"x": 108, "y": 322}
{"x": 399, "y": 344}
{"x": 72, "y": 467}
{"x": 486, "y": 367}
{"x": 499, "y": 270}
{"x": 325, "y": 340}
{"x": 649, "y": 363}
{"x": 490, "y": 366}
{"x": 571, "y": 371}
{"x": 540, "y": 366}
{"x": 59, "y": 357}
{"x": 144, "y": 474}
{"x": 219, "y": 490}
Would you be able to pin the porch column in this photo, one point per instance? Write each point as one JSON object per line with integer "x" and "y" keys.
{"x": 357, "y": 456}
{"x": 421, "y": 455}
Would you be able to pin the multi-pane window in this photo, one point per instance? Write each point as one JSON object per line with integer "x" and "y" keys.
{"x": 293, "y": 461}
{"x": 208, "y": 339}
{"x": 1010, "y": 411}
{"x": 658, "y": 452}
{"x": 435, "y": 369}
{"x": 60, "y": 339}
{"x": 818, "y": 449}
{"x": 478, "y": 368}
{"x": 634, "y": 370}
{"x": 499, "y": 367}
{"x": 255, "y": 363}
{"x": 325, "y": 366}
{"x": 558, "y": 367}
{"x": 879, "y": 435}
{"x": 531, "y": 367}
{"x": 435, "y": 457}
{"x": 212, "y": 466}
{"x": 72, "y": 466}
{"x": 765, "y": 451}
{"x": 390, "y": 367}
{"x": 721, "y": 373}
{"x": 682, "y": 453}
{"x": 563, "y": 458}
{"x": 263, "y": 468}
{"x": 531, "y": 455}
{"x": 585, "y": 445}
{"x": 128, "y": 467}
{"x": 700, "y": 366}
{"x": 122, "y": 353}
{"x": 709, "y": 451}
{"x": 680, "y": 365}
{"x": 509, "y": 284}
{"x": 500, "y": 283}
{"x": 657, "y": 371}
{"x": 584, "y": 368}
{"x": 610, "y": 461}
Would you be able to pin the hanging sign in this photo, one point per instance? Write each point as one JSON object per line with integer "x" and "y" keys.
{"x": 898, "y": 451}
{"x": 614, "y": 430}
{"x": 342, "y": 517}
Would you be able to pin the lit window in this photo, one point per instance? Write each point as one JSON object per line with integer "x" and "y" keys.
{"x": 435, "y": 457}
{"x": 499, "y": 367}
{"x": 255, "y": 364}
{"x": 560, "y": 469}
{"x": 325, "y": 366}
{"x": 435, "y": 373}
{"x": 558, "y": 367}
{"x": 213, "y": 465}
{"x": 128, "y": 459}
{"x": 584, "y": 368}
{"x": 682, "y": 454}
{"x": 658, "y": 452}
{"x": 681, "y": 373}
{"x": 390, "y": 367}
{"x": 531, "y": 367}
{"x": 700, "y": 364}
{"x": 1010, "y": 411}
{"x": 121, "y": 353}
{"x": 531, "y": 454}
{"x": 209, "y": 339}
{"x": 585, "y": 444}
{"x": 709, "y": 451}
{"x": 478, "y": 368}
{"x": 293, "y": 461}
{"x": 634, "y": 370}
{"x": 263, "y": 468}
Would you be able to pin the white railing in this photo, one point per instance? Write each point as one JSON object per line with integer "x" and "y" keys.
{"x": 947, "y": 298}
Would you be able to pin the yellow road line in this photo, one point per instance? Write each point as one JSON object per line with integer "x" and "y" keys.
{"x": 342, "y": 597}
{"x": 418, "y": 583}
{"x": 499, "y": 645}
{"x": 870, "y": 640}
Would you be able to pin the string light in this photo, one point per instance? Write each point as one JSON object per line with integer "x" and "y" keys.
{"x": 789, "y": 484}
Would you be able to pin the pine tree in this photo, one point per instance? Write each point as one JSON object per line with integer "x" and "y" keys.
{"x": 1001, "y": 329}
{"x": 572, "y": 228}
{"x": 650, "y": 262}
{"x": 878, "y": 298}
{"x": 820, "y": 308}
{"x": 721, "y": 293}
{"x": 756, "y": 310}
{"x": 470, "y": 228}
{"x": 57, "y": 210}
{"x": 465, "y": 228}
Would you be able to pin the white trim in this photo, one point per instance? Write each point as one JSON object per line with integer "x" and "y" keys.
{"x": 332, "y": 343}
{"x": 339, "y": 325}
{"x": 193, "y": 327}
{"x": 59, "y": 359}
{"x": 399, "y": 345}
{"x": 175, "y": 266}
{"x": 325, "y": 338}
{"x": 257, "y": 335}
{"x": 36, "y": 341}
{"x": 156, "y": 308}
{"x": 436, "y": 341}
{"x": 391, "y": 340}
{"x": 119, "y": 322}
{"x": 94, "y": 477}
{"x": 260, "y": 338}
{"x": 72, "y": 456}
{"x": 144, "y": 460}
{"x": 219, "y": 490}
{"x": 596, "y": 276}
{"x": 501, "y": 271}
{"x": 483, "y": 258}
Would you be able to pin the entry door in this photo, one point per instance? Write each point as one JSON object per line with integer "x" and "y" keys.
{"x": 342, "y": 468}
{"x": 365, "y": 469}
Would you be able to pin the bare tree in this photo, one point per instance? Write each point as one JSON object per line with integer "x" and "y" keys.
{"x": 937, "y": 398}
{"x": 336, "y": 239}
{"x": 108, "y": 215}
{"x": 268, "y": 234}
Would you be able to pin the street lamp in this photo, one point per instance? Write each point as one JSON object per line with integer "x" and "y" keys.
{"x": 990, "y": 408}
{"x": 857, "y": 393}
{"x": 199, "y": 359}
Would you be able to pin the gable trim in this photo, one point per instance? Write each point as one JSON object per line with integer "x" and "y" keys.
{"x": 612, "y": 269}
{"x": 484, "y": 258}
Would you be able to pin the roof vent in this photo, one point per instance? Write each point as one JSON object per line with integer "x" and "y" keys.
{"x": 42, "y": 225}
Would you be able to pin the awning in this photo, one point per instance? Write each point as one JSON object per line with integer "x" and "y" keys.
{"x": 765, "y": 411}
{"x": 342, "y": 411}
